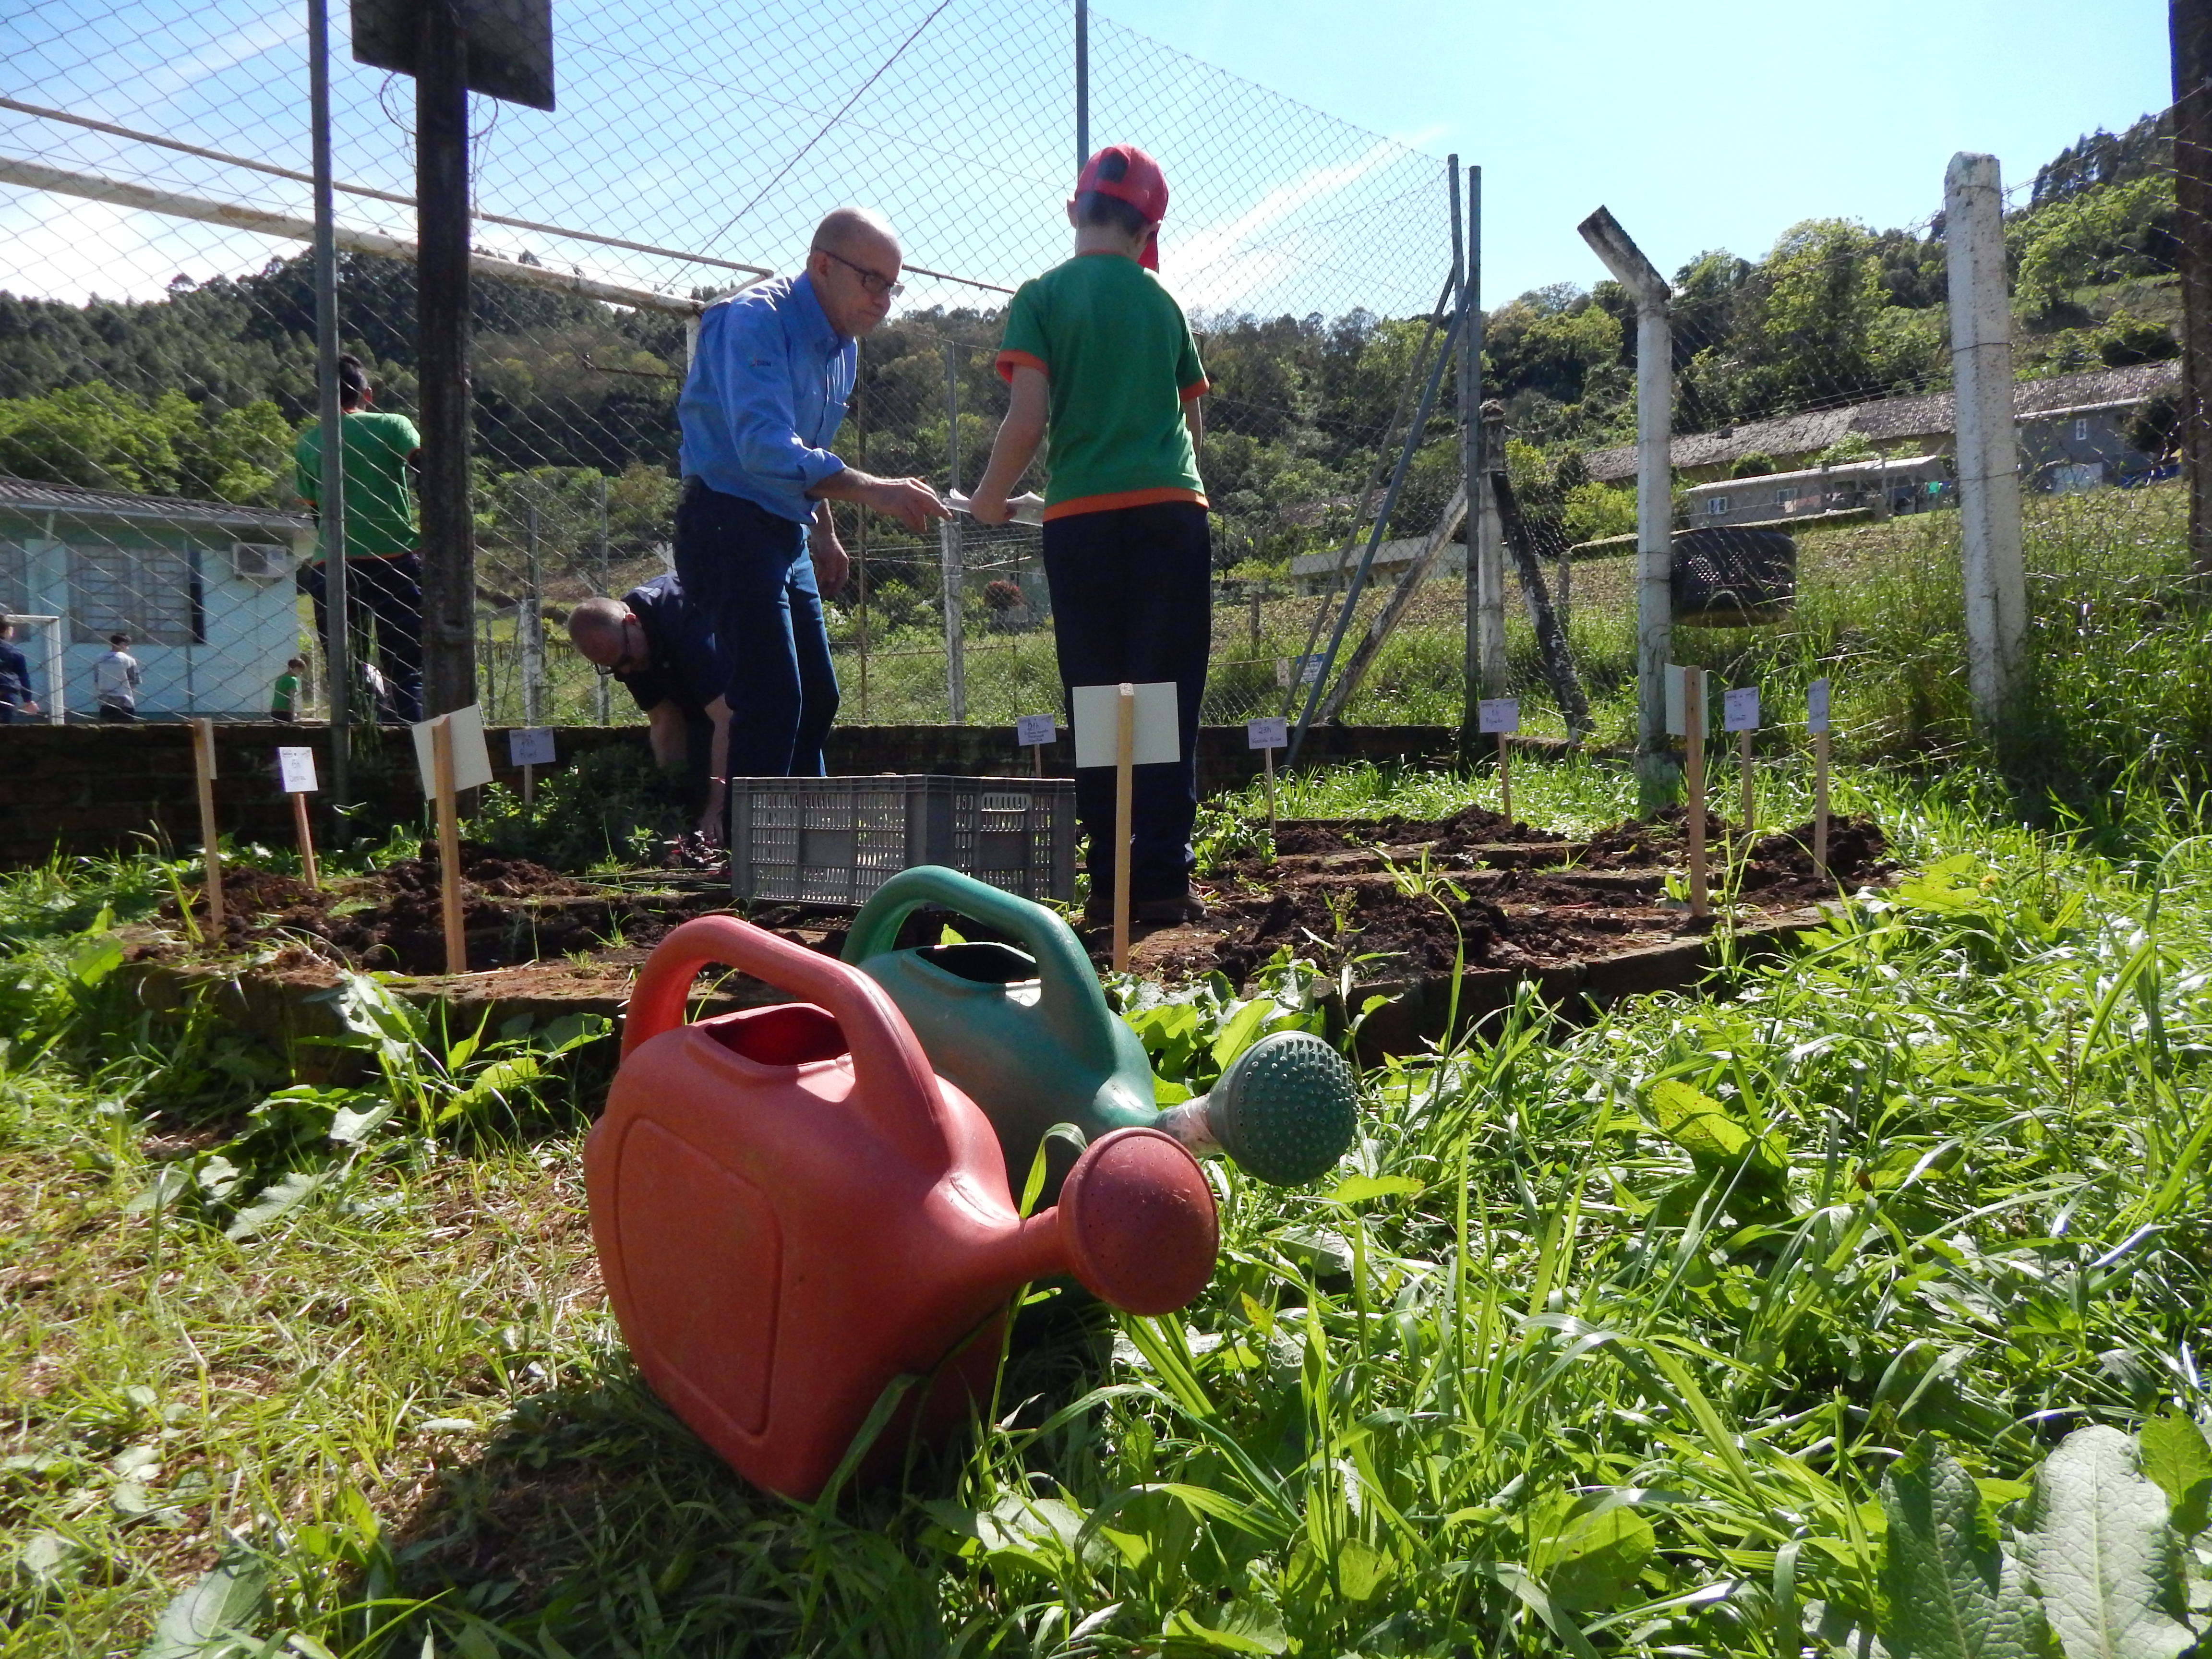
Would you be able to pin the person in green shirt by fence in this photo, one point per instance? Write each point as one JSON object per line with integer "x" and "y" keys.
{"x": 1102, "y": 365}
{"x": 284, "y": 696}
{"x": 383, "y": 535}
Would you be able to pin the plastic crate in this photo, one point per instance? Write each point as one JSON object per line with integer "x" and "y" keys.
{"x": 835, "y": 841}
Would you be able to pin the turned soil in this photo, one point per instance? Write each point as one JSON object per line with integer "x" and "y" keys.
{"x": 1558, "y": 901}
{"x": 511, "y": 911}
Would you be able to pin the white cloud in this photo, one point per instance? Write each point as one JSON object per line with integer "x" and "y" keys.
{"x": 59, "y": 247}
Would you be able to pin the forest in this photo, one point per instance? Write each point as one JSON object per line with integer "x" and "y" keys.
{"x": 198, "y": 393}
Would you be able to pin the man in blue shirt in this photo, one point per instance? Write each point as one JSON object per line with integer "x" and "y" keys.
{"x": 16, "y": 697}
{"x": 766, "y": 392}
{"x": 660, "y": 650}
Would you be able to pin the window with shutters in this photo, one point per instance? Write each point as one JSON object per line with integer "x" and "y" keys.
{"x": 150, "y": 593}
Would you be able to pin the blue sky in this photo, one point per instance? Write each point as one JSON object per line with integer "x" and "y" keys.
{"x": 1699, "y": 123}
{"x": 724, "y": 127}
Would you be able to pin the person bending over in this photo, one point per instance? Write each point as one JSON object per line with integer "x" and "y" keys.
{"x": 660, "y": 650}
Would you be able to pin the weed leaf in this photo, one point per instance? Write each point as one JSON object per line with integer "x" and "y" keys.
{"x": 1704, "y": 1128}
{"x": 2105, "y": 1562}
{"x": 1953, "y": 1593}
{"x": 208, "y": 1619}
{"x": 279, "y": 1199}
{"x": 2176, "y": 1456}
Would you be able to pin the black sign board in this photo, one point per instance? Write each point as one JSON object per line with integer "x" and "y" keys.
{"x": 510, "y": 44}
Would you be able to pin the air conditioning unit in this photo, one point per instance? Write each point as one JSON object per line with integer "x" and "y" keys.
{"x": 261, "y": 562}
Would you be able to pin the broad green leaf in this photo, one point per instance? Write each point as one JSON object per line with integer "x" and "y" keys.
{"x": 2176, "y": 1456}
{"x": 349, "y": 1127}
{"x": 1357, "y": 1189}
{"x": 1953, "y": 1591}
{"x": 1593, "y": 1559}
{"x": 1953, "y": 883}
{"x": 279, "y": 1199}
{"x": 1181, "y": 1632}
{"x": 1706, "y": 1130}
{"x": 1242, "y": 1030}
{"x": 211, "y": 1618}
{"x": 1835, "y": 1630}
{"x": 2107, "y": 1566}
{"x": 1360, "y": 1569}
{"x": 99, "y": 955}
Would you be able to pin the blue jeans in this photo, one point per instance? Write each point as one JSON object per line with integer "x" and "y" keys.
{"x": 748, "y": 573}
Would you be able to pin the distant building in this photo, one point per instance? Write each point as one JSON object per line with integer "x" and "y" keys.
{"x": 205, "y": 589}
{"x": 2072, "y": 431}
{"x": 1883, "y": 488}
{"x": 1316, "y": 572}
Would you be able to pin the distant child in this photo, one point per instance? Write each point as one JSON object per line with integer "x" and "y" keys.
{"x": 115, "y": 680}
{"x": 284, "y": 696}
{"x": 1101, "y": 364}
{"x": 16, "y": 697}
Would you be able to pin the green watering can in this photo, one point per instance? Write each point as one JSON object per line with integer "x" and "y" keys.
{"x": 1027, "y": 1035}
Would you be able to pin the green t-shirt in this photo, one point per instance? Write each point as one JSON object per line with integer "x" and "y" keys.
{"x": 380, "y": 497}
{"x": 1119, "y": 355}
{"x": 284, "y": 694}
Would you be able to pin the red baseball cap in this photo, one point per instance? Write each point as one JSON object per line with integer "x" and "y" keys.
{"x": 1141, "y": 184}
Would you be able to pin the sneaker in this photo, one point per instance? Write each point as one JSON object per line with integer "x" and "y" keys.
{"x": 1184, "y": 907}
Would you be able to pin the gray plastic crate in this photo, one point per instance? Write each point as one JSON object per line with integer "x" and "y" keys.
{"x": 835, "y": 841}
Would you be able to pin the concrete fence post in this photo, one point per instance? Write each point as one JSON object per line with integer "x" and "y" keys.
{"x": 1987, "y": 450}
{"x": 1655, "y": 495}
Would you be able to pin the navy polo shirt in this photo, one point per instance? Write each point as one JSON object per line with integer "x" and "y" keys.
{"x": 686, "y": 669}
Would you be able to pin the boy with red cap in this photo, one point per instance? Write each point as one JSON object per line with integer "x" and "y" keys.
{"x": 1102, "y": 365}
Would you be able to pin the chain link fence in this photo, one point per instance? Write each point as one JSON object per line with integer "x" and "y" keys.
{"x": 156, "y": 344}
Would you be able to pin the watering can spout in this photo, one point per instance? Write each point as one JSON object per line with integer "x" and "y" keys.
{"x": 1283, "y": 1110}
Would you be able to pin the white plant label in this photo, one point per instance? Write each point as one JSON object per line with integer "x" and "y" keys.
{"x": 296, "y": 767}
{"x": 472, "y": 760}
{"x": 1158, "y": 734}
{"x": 1497, "y": 715}
{"x": 1304, "y": 670}
{"x": 1816, "y": 706}
{"x": 1740, "y": 708}
{"x": 1268, "y": 731}
{"x": 1031, "y": 731}
{"x": 533, "y": 746}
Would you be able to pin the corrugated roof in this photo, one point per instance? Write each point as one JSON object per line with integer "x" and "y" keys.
{"x": 1885, "y": 420}
{"x": 34, "y": 496}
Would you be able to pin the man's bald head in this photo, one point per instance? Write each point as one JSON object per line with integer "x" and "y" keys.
{"x": 596, "y": 629}
{"x": 854, "y": 263}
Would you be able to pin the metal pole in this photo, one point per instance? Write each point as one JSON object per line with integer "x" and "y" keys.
{"x": 1082, "y": 84}
{"x": 948, "y": 545}
{"x": 1988, "y": 452}
{"x": 860, "y": 542}
{"x": 2189, "y": 24}
{"x": 338, "y": 644}
{"x": 1469, "y": 389}
{"x": 1655, "y": 499}
{"x": 441, "y": 278}
{"x": 529, "y": 625}
{"x": 602, "y": 684}
{"x": 1485, "y": 544}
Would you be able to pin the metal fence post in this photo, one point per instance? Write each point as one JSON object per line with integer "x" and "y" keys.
{"x": 441, "y": 277}
{"x": 948, "y": 547}
{"x": 2189, "y": 24}
{"x": 1655, "y": 495}
{"x": 1989, "y": 453}
{"x": 1484, "y": 548}
{"x": 1082, "y": 84}
{"x": 337, "y": 642}
{"x": 529, "y": 625}
{"x": 603, "y": 684}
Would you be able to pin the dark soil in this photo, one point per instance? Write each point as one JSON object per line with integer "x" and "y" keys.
{"x": 1473, "y": 826}
{"x": 1606, "y": 900}
{"x": 511, "y": 911}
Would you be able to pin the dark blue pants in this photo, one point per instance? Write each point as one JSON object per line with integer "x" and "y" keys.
{"x": 748, "y": 573}
{"x": 1132, "y": 600}
{"x": 389, "y": 593}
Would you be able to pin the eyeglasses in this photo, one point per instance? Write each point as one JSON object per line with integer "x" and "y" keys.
{"x": 874, "y": 280}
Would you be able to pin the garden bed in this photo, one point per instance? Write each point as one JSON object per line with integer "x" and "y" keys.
{"x": 1396, "y": 903}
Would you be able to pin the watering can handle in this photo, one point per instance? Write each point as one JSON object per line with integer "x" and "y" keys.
{"x": 1063, "y": 973}
{"x": 897, "y": 1087}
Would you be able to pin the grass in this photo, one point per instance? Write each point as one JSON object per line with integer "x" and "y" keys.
{"x": 1601, "y": 1341}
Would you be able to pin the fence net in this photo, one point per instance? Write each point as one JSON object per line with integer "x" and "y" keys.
{"x": 155, "y": 368}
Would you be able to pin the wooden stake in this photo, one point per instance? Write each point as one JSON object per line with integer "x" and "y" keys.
{"x": 1821, "y": 800}
{"x": 1036, "y": 760}
{"x": 529, "y": 787}
{"x": 1125, "y": 749}
{"x": 203, "y": 767}
{"x": 449, "y": 845}
{"x": 1504, "y": 780}
{"x": 306, "y": 841}
{"x": 1750, "y": 803}
{"x": 1268, "y": 757}
{"x": 1693, "y": 775}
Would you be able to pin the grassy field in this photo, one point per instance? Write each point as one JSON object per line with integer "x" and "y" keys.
{"x": 1802, "y": 1304}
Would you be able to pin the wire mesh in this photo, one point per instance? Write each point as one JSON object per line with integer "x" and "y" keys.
{"x": 169, "y": 357}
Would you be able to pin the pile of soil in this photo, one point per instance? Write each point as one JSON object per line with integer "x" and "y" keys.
{"x": 1775, "y": 868}
{"x": 1472, "y": 826}
{"x": 512, "y": 910}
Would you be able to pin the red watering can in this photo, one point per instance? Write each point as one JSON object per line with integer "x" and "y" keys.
{"x": 792, "y": 1210}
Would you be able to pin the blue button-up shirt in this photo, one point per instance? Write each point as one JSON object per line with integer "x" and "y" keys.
{"x": 765, "y": 395}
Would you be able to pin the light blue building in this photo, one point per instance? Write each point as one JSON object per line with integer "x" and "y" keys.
{"x": 205, "y": 590}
